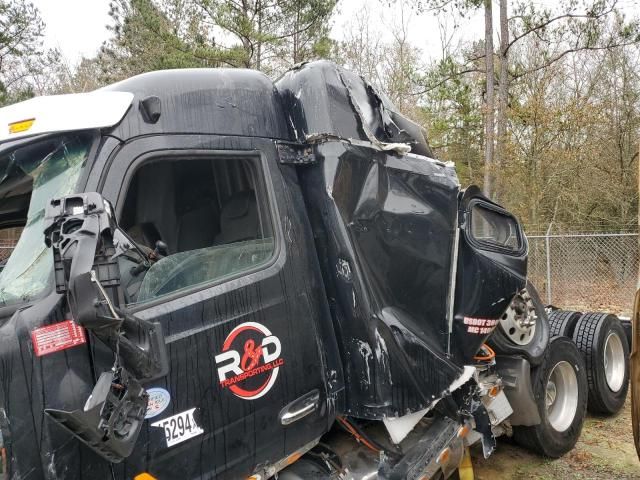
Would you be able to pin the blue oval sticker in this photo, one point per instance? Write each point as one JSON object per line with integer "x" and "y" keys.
{"x": 159, "y": 400}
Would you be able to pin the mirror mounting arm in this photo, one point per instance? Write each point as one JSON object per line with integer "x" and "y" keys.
{"x": 82, "y": 231}
{"x": 84, "y": 236}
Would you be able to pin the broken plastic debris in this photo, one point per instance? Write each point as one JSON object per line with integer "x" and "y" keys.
{"x": 400, "y": 427}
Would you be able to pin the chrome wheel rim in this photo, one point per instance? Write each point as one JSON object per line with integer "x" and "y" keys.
{"x": 614, "y": 362}
{"x": 561, "y": 396}
{"x": 519, "y": 321}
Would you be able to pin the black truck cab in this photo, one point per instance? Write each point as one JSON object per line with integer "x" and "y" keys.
{"x": 214, "y": 268}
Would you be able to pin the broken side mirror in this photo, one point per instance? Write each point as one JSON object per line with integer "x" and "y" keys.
{"x": 110, "y": 420}
{"x": 82, "y": 232}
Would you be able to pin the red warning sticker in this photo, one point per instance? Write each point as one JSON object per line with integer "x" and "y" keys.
{"x": 56, "y": 337}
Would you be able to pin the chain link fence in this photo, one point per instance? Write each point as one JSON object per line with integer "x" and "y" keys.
{"x": 8, "y": 239}
{"x": 585, "y": 271}
{"x": 5, "y": 251}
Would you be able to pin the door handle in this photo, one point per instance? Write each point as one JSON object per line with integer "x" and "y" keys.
{"x": 300, "y": 408}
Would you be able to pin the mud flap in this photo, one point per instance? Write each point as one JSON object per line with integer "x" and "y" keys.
{"x": 84, "y": 236}
{"x": 483, "y": 427}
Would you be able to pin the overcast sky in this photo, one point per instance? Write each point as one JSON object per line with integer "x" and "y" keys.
{"x": 78, "y": 27}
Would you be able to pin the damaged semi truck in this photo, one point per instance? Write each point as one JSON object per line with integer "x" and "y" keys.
{"x": 224, "y": 277}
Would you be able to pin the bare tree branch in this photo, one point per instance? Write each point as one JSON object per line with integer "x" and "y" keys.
{"x": 550, "y": 21}
{"x": 553, "y": 60}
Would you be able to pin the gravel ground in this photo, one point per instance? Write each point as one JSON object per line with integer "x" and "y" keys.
{"x": 605, "y": 451}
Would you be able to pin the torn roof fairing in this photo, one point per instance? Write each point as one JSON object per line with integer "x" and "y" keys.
{"x": 401, "y": 148}
{"x": 359, "y": 95}
{"x": 323, "y": 98}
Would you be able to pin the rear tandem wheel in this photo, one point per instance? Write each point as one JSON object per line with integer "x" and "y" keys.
{"x": 560, "y": 389}
{"x": 602, "y": 341}
{"x": 562, "y": 323}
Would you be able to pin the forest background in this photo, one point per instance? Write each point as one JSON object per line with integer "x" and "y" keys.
{"x": 539, "y": 105}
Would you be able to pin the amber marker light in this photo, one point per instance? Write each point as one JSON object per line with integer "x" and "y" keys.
{"x": 21, "y": 126}
{"x": 463, "y": 431}
{"x": 444, "y": 456}
{"x": 144, "y": 476}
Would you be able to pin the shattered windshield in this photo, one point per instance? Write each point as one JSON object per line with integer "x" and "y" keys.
{"x": 49, "y": 169}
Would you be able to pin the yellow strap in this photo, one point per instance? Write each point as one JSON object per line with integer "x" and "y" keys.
{"x": 465, "y": 470}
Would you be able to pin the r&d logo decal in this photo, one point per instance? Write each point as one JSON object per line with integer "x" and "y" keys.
{"x": 250, "y": 360}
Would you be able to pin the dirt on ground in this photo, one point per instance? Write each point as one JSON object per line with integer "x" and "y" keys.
{"x": 605, "y": 451}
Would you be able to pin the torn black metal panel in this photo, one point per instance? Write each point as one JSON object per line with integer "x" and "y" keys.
{"x": 417, "y": 362}
{"x": 384, "y": 228}
{"x": 484, "y": 291}
{"x": 322, "y": 98}
{"x": 37, "y": 448}
{"x": 315, "y": 101}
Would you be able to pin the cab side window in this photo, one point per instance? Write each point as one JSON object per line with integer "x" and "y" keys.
{"x": 197, "y": 220}
{"x": 494, "y": 228}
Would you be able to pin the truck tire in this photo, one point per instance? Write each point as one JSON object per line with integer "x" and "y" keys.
{"x": 536, "y": 346}
{"x": 602, "y": 341}
{"x": 562, "y": 323}
{"x": 628, "y": 330}
{"x": 560, "y": 390}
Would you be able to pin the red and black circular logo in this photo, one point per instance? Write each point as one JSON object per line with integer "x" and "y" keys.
{"x": 250, "y": 360}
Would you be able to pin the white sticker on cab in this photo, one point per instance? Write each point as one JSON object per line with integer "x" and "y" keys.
{"x": 179, "y": 427}
{"x": 159, "y": 400}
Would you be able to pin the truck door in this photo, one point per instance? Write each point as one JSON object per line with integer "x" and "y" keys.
{"x": 238, "y": 295}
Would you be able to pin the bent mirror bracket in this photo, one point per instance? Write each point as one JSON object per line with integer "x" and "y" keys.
{"x": 86, "y": 241}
